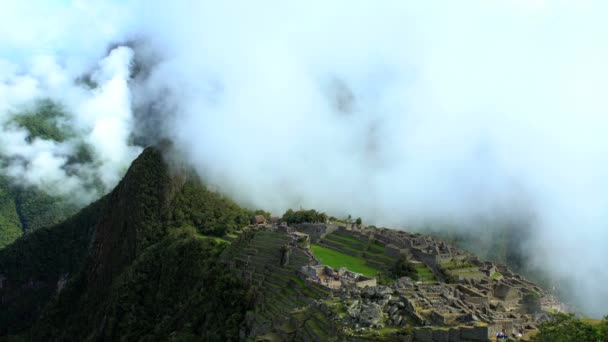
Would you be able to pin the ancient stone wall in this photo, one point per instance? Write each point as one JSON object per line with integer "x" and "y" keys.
{"x": 392, "y": 251}
{"x": 316, "y": 231}
{"x": 463, "y": 334}
{"x": 366, "y": 283}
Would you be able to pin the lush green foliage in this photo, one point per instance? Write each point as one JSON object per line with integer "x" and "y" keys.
{"x": 336, "y": 260}
{"x": 175, "y": 290}
{"x": 25, "y": 209}
{"x": 44, "y": 121}
{"x": 304, "y": 216}
{"x": 10, "y": 225}
{"x": 403, "y": 268}
{"x": 37, "y": 209}
{"x": 148, "y": 275}
{"x": 33, "y": 264}
{"x": 210, "y": 213}
{"x": 566, "y": 328}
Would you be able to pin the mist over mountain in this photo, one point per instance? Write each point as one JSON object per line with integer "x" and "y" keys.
{"x": 473, "y": 117}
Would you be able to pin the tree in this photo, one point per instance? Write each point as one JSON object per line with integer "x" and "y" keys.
{"x": 304, "y": 216}
{"x": 565, "y": 327}
{"x": 404, "y": 268}
{"x": 358, "y": 221}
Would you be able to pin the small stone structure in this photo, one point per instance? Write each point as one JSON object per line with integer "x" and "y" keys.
{"x": 316, "y": 231}
{"x": 332, "y": 279}
{"x": 259, "y": 219}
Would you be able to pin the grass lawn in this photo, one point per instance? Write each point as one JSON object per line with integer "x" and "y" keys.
{"x": 592, "y": 321}
{"x": 345, "y": 246}
{"x": 376, "y": 248}
{"x": 215, "y": 238}
{"x": 496, "y": 275}
{"x": 348, "y": 240}
{"x": 336, "y": 260}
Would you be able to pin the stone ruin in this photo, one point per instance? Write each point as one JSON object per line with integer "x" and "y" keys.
{"x": 342, "y": 278}
{"x": 470, "y": 293}
{"x": 469, "y": 301}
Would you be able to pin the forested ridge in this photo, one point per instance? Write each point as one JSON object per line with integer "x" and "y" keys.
{"x": 125, "y": 260}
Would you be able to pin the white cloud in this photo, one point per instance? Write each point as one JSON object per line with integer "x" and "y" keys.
{"x": 460, "y": 109}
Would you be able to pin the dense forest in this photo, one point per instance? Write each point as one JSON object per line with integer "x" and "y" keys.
{"x": 304, "y": 216}
{"x": 209, "y": 212}
{"x": 124, "y": 261}
{"x": 567, "y": 328}
{"x": 39, "y": 260}
{"x": 24, "y": 209}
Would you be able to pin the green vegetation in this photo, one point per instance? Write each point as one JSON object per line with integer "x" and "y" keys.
{"x": 207, "y": 211}
{"x": 403, "y": 268}
{"x": 155, "y": 300}
{"x": 455, "y": 265}
{"x": 454, "y": 269}
{"x": 304, "y": 216}
{"x": 10, "y": 225}
{"x": 37, "y": 209}
{"x": 347, "y": 239}
{"x": 336, "y": 260}
{"x": 423, "y": 271}
{"x": 44, "y": 121}
{"x": 566, "y": 328}
{"x": 369, "y": 253}
{"x": 156, "y": 259}
{"x": 136, "y": 261}
{"x": 376, "y": 248}
{"x": 25, "y": 209}
{"x": 42, "y": 257}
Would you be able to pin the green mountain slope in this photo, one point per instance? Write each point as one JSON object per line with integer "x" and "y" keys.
{"x": 126, "y": 259}
{"x": 31, "y": 268}
{"x": 10, "y": 225}
{"x": 25, "y": 209}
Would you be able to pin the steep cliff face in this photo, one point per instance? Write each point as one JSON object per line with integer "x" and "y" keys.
{"x": 132, "y": 264}
{"x": 135, "y": 219}
{"x": 131, "y": 221}
{"x": 94, "y": 246}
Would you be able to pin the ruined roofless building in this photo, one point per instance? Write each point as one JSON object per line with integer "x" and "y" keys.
{"x": 259, "y": 219}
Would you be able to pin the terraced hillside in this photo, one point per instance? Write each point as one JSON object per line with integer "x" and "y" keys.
{"x": 457, "y": 270}
{"x": 282, "y": 309}
{"x": 423, "y": 273}
{"x": 371, "y": 253}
